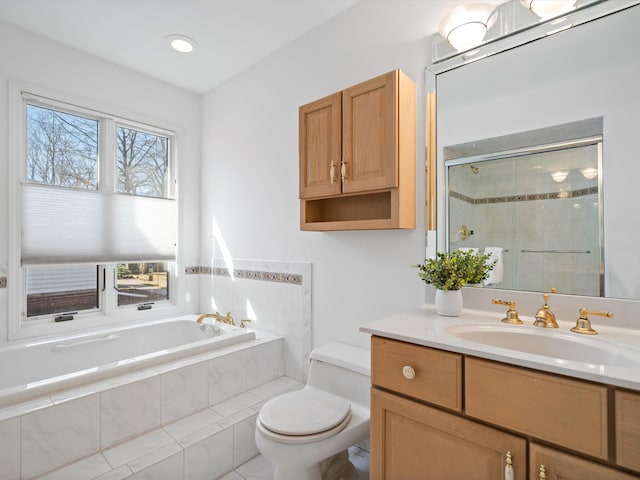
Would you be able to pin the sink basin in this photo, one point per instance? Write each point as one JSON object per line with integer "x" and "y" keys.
{"x": 549, "y": 343}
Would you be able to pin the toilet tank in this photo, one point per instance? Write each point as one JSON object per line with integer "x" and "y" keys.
{"x": 344, "y": 370}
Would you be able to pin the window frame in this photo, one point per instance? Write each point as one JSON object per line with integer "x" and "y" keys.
{"x": 109, "y": 313}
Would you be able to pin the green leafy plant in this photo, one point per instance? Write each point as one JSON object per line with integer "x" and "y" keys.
{"x": 453, "y": 270}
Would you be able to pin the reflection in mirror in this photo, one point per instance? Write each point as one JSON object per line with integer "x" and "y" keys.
{"x": 537, "y": 209}
{"x": 587, "y": 72}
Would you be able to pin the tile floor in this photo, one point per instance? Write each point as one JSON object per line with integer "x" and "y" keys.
{"x": 259, "y": 469}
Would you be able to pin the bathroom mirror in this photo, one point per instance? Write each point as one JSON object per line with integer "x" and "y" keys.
{"x": 575, "y": 85}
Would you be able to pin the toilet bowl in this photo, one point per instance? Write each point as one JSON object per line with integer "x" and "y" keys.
{"x": 305, "y": 434}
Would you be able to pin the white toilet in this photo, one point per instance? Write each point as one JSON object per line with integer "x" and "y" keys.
{"x": 305, "y": 434}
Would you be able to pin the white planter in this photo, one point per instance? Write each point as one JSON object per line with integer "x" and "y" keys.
{"x": 449, "y": 303}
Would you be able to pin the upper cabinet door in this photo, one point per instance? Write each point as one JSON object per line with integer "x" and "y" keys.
{"x": 320, "y": 134}
{"x": 370, "y": 135}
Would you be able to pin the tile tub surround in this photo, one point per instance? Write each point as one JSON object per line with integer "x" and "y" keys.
{"x": 275, "y": 295}
{"x": 158, "y": 418}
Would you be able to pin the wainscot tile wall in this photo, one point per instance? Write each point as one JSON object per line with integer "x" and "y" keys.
{"x": 193, "y": 418}
{"x": 274, "y": 295}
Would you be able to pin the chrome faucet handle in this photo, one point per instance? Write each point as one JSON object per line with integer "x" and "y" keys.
{"x": 544, "y": 317}
{"x": 512, "y": 314}
{"x": 583, "y": 324}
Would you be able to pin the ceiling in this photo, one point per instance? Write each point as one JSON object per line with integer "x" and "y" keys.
{"x": 231, "y": 34}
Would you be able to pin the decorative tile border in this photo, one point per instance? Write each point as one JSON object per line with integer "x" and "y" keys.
{"x": 525, "y": 198}
{"x": 3, "y": 282}
{"x": 290, "y": 278}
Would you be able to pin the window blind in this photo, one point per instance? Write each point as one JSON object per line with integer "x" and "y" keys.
{"x": 62, "y": 225}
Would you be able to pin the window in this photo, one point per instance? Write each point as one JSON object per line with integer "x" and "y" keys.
{"x": 98, "y": 216}
{"x": 142, "y": 282}
{"x": 62, "y": 149}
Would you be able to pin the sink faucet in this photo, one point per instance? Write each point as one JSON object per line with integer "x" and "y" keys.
{"x": 583, "y": 325}
{"x": 221, "y": 318}
{"x": 545, "y": 317}
{"x": 512, "y": 314}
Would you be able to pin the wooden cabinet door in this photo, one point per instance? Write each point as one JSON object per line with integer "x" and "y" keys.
{"x": 411, "y": 441}
{"x": 370, "y": 134}
{"x": 562, "y": 466}
{"x": 320, "y": 143}
{"x": 627, "y": 413}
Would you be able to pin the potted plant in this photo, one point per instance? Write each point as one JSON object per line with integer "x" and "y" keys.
{"x": 448, "y": 272}
{"x": 480, "y": 265}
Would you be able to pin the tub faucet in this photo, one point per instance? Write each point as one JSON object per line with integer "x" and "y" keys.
{"x": 221, "y": 318}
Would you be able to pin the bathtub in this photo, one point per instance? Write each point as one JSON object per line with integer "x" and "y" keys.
{"x": 44, "y": 367}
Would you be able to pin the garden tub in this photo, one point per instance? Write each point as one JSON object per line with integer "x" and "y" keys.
{"x": 44, "y": 367}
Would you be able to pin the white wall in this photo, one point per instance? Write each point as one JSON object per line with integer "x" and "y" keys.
{"x": 250, "y": 166}
{"x": 33, "y": 59}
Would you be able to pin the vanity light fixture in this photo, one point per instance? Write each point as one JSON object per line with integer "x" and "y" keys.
{"x": 589, "y": 173}
{"x": 559, "y": 176}
{"x": 465, "y": 26}
{"x": 549, "y": 8}
{"x": 182, "y": 43}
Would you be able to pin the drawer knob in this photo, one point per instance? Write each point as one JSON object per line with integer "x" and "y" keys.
{"x": 408, "y": 372}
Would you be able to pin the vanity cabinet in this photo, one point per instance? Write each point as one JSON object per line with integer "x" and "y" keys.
{"x": 358, "y": 157}
{"x": 438, "y": 414}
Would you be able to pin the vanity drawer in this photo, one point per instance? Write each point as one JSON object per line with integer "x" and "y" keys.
{"x": 628, "y": 429}
{"x": 438, "y": 374}
{"x": 567, "y": 412}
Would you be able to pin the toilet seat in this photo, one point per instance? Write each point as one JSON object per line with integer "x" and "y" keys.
{"x": 304, "y": 416}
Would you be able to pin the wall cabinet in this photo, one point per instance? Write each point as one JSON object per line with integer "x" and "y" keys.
{"x": 358, "y": 157}
{"x": 438, "y": 414}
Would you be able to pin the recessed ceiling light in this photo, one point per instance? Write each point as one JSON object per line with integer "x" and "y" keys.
{"x": 182, "y": 43}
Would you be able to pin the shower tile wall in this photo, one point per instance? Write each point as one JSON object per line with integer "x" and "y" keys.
{"x": 275, "y": 296}
{"x": 495, "y": 219}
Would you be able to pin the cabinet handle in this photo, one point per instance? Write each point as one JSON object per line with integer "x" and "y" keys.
{"x": 408, "y": 372}
{"x": 343, "y": 171}
{"x": 508, "y": 469}
{"x": 332, "y": 172}
{"x": 542, "y": 474}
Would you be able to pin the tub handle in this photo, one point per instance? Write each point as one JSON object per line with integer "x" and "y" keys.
{"x": 65, "y": 346}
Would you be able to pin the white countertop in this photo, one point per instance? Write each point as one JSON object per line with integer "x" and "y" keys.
{"x": 425, "y": 327}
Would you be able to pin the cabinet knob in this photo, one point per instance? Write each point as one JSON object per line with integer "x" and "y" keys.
{"x": 408, "y": 372}
{"x": 542, "y": 473}
{"x": 343, "y": 171}
{"x": 508, "y": 469}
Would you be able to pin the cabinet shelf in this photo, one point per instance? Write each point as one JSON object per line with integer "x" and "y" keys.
{"x": 370, "y": 211}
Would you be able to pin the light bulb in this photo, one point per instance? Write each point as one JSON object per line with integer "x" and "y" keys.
{"x": 464, "y": 27}
{"x": 182, "y": 43}
{"x": 559, "y": 176}
{"x": 589, "y": 173}
{"x": 549, "y": 8}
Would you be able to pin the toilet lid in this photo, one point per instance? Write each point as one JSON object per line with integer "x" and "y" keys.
{"x": 304, "y": 412}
